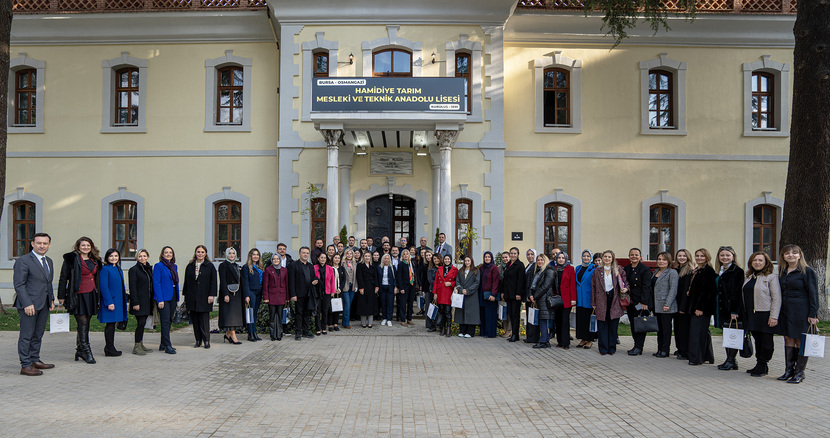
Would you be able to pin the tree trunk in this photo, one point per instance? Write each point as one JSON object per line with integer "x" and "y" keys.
{"x": 807, "y": 199}
{"x": 5, "y": 36}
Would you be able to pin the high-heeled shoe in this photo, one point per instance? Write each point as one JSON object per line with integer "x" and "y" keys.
{"x": 227, "y": 338}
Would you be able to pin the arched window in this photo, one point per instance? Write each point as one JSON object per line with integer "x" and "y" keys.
{"x": 25, "y": 97}
{"x": 227, "y": 219}
{"x": 763, "y": 105}
{"x": 229, "y": 95}
{"x": 661, "y": 234}
{"x": 23, "y": 224}
{"x": 463, "y": 69}
{"x": 463, "y": 221}
{"x": 557, "y": 97}
{"x": 126, "y": 96}
{"x": 392, "y": 62}
{"x": 125, "y": 228}
{"x": 660, "y": 99}
{"x": 318, "y": 220}
{"x": 557, "y": 227}
{"x": 321, "y": 65}
{"x": 765, "y": 230}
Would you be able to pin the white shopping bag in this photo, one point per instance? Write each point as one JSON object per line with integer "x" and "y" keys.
{"x": 458, "y": 301}
{"x": 533, "y": 316}
{"x": 593, "y": 325}
{"x": 572, "y": 319}
{"x": 502, "y": 312}
{"x": 58, "y": 323}
{"x": 733, "y": 338}
{"x": 249, "y": 316}
{"x": 337, "y": 304}
{"x": 432, "y": 312}
{"x": 148, "y": 325}
{"x": 812, "y": 344}
{"x": 421, "y": 302}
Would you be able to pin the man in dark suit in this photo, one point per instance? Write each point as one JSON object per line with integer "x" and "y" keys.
{"x": 445, "y": 249}
{"x": 34, "y": 298}
{"x": 300, "y": 289}
{"x": 423, "y": 245}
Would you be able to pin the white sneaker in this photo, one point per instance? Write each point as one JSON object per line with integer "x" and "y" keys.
{"x": 389, "y": 323}
{"x": 467, "y": 336}
{"x": 383, "y": 322}
{"x": 460, "y": 335}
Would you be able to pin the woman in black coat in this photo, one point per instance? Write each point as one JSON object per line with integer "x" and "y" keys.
{"x": 799, "y": 308}
{"x": 684, "y": 264}
{"x": 79, "y": 291}
{"x": 367, "y": 291}
{"x": 141, "y": 298}
{"x": 702, "y": 303}
{"x": 638, "y": 276}
{"x": 199, "y": 292}
{"x": 231, "y": 297}
{"x": 730, "y": 283}
{"x": 513, "y": 290}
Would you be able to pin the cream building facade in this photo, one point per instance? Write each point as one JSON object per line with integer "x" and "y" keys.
{"x": 180, "y": 128}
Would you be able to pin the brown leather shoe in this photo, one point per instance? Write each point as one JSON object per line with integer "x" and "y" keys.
{"x": 30, "y": 371}
{"x": 43, "y": 366}
{"x": 403, "y": 324}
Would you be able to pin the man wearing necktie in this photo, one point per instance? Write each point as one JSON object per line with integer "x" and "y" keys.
{"x": 443, "y": 247}
{"x": 34, "y": 298}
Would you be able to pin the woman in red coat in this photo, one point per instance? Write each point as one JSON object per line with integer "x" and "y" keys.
{"x": 275, "y": 294}
{"x": 566, "y": 286}
{"x": 444, "y": 284}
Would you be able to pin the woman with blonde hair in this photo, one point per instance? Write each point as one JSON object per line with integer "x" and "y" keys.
{"x": 730, "y": 280}
{"x": 608, "y": 282}
{"x": 664, "y": 290}
{"x": 703, "y": 292}
{"x": 231, "y": 291}
{"x": 759, "y": 307}
{"x": 252, "y": 278}
{"x": 799, "y": 308}
{"x": 684, "y": 264}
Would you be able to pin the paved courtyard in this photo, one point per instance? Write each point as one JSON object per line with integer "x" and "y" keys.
{"x": 396, "y": 381}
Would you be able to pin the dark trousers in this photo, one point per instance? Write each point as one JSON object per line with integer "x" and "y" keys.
{"x": 324, "y": 312}
{"x": 275, "y": 320}
{"x": 607, "y": 335}
{"x": 428, "y": 297}
{"x": 301, "y": 314}
{"x": 166, "y": 320}
{"x": 639, "y": 338}
{"x": 387, "y": 301}
{"x": 664, "y": 331}
{"x": 562, "y": 326}
{"x": 201, "y": 325}
{"x": 700, "y": 340}
{"x": 583, "y": 324}
{"x": 109, "y": 338}
{"x": 681, "y": 332}
{"x": 514, "y": 310}
{"x": 764, "y": 346}
{"x": 31, "y": 335}
{"x": 141, "y": 321}
{"x": 490, "y": 312}
{"x": 405, "y": 304}
{"x": 255, "y": 301}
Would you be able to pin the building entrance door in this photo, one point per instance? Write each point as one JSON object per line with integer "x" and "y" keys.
{"x": 390, "y": 216}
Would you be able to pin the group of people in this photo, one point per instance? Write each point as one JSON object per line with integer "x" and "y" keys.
{"x": 684, "y": 293}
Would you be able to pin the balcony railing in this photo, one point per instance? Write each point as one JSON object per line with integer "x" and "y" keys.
{"x": 70, "y": 6}
{"x": 717, "y": 6}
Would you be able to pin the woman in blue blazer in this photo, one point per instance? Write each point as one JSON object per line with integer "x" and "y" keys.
{"x": 166, "y": 294}
{"x": 113, "y": 299}
{"x": 584, "y": 273}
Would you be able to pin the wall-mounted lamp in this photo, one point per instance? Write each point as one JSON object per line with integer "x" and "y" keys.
{"x": 433, "y": 58}
{"x": 420, "y": 152}
{"x": 361, "y": 152}
{"x": 351, "y": 60}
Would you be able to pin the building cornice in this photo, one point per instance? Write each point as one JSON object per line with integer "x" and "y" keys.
{"x": 142, "y": 27}
{"x": 706, "y": 30}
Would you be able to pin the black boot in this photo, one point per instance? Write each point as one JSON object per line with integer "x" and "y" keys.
{"x": 800, "y": 365}
{"x": 756, "y": 368}
{"x": 790, "y": 355}
{"x": 730, "y": 363}
{"x": 761, "y": 369}
{"x": 272, "y": 326}
{"x": 279, "y": 330}
{"x": 84, "y": 350}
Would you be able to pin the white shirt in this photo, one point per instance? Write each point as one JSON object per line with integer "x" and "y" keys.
{"x": 42, "y": 259}
{"x": 283, "y": 261}
{"x": 609, "y": 280}
{"x": 385, "y": 280}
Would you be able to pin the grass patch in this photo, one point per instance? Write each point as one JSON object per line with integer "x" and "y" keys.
{"x": 11, "y": 322}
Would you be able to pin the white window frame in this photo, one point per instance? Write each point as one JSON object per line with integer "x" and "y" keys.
{"x": 226, "y": 195}
{"x": 576, "y": 220}
{"x": 110, "y": 66}
{"x": 679, "y": 218}
{"x": 749, "y": 222}
{"x": 556, "y": 59}
{"x": 106, "y": 220}
{"x": 781, "y": 97}
{"x": 678, "y": 70}
{"x": 23, "y": 62}
{"x": 6, "y": 259}
{"x": 473, "y": 48}
{"x": 212, "y": 66}
{"x": 319, "y": 44}
{"x": 392, "y": 41}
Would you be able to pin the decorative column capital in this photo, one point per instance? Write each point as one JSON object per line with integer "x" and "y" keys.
{"x": 446, "y": 138}
{"x": 333, "y": 137}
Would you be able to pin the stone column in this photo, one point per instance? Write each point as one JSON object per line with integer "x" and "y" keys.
{"x": 446, "y": 140}
{"x": 333, "y": 137}
{"x": 346, "y": 161}
{"x": 435, "y": 161}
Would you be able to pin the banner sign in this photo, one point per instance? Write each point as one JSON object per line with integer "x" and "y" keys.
{"x": 436, "y": 95}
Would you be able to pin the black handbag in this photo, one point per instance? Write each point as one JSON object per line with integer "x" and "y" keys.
{"x": 644, "y": 323}
{"x": 747, "y": 351}
{"x": 555, "y": 302}
{"x": 121, "y": 325}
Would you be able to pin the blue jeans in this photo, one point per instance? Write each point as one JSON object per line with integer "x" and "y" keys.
{"x": 348, "y": 297}
{"x": 544, "y": 334}
{"x": 387, "y": 301}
